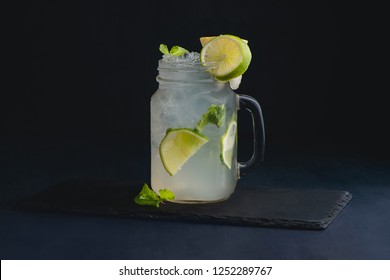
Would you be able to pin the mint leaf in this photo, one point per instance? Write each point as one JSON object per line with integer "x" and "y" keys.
{"x": 166, "y": 194}
{"x": 214, "y": 115}
{"x": 178, "y": 51}
{"x": 175, "y": 50}
{"x": 151, "y": 202}
{"x": 164, "y": 49}
{"x": 149, "y": 197}
{"x": 147, "y": 193}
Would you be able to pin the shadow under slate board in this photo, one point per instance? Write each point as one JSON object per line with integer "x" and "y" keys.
{"x": 266, "y": 207}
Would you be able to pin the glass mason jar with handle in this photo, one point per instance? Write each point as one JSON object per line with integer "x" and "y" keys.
{"x": 194, "y": 133}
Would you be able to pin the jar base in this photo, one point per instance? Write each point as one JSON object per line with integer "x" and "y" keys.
{"x": 180, "y": 201}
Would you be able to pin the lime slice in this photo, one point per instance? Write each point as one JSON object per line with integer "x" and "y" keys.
{"x": 231, "y": 55}
{"x": 205, "y": 40}
{"x": 227, "y": 144}
{"x": 178, "y": 146}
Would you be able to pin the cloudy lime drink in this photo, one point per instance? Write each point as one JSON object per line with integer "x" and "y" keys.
{"x": 194, "y": 126}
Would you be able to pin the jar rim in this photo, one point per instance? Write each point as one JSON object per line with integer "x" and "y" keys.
{"x": 187, "y": 66}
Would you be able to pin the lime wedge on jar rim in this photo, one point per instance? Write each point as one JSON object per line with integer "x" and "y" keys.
{"x": 205, "y": 40}
{"x": 178, "y": 146}
{"x": 230, "y": 54}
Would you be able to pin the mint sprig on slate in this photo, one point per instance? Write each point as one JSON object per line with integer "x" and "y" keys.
{"x": 149, "y": 197}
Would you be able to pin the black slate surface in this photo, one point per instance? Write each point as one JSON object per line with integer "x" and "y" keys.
{"x": 269, "y": 207}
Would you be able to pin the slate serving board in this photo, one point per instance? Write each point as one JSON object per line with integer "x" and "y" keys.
{"x": 269, "y": 207}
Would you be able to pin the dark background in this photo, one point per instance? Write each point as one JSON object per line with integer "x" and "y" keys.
{"x": 89, "y": 68}
{"x": 75, "y": 102}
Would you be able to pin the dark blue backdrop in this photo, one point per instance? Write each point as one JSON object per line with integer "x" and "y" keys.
{"x": 91, "y": 67}
{"x": 76, "y": 103}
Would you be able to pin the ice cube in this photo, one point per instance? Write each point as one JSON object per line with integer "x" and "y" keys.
{"x": 192, "y": 57}
{"x": 235, "y": 83}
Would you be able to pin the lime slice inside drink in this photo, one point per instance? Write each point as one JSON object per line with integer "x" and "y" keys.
{"x": 227, "y": 144}
{"x": 178, "y": 146}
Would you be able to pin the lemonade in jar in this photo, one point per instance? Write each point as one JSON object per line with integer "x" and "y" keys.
{"x": 194, "y": 120}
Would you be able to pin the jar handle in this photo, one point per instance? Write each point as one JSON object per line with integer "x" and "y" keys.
{"x": 250, "y": 104}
